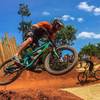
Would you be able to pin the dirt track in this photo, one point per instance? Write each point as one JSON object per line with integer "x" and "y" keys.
{"x": 32, "y": 84}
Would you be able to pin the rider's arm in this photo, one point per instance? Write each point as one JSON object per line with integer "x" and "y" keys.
{"x": 24, "y": 45}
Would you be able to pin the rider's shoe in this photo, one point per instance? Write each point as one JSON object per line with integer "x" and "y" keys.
{"x": 38, "y": 69}
{"x": 16, "y": 59}
{"x": 12, "y": 69}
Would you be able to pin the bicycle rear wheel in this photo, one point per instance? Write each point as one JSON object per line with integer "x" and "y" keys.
{"x": 82, "y": 77}
{"x": 97, "y": 74}
{"x": 8, "y": 73}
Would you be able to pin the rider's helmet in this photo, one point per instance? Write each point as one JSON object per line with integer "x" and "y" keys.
{"x": 57, "y": 24}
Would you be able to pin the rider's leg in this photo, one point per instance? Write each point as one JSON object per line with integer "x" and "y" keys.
{"x": 22, "y": 47}
{"x": 91, "y": 69}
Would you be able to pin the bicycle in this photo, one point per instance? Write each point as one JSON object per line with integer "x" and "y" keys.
{"x": 49, "y": 54}
{"x": 83, "y": 76}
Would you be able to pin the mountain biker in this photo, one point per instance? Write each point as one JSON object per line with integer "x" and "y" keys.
{"x": 89, "y": 63}
{"x": 38, "y": 31}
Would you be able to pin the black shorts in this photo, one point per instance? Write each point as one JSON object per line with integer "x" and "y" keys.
{"x": 35, "y": 35}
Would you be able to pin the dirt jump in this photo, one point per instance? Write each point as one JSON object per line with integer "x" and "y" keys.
{"x": 43, "y": 86}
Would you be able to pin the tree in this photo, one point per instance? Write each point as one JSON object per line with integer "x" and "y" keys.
{"x": 98, "y": 50}
{"x": 90, "y": 50}
{"x": 98, "y": 46}
{"x": 66, "y": 35}
{"x": 24, "y": 10}
{"x": 24, "y": 25}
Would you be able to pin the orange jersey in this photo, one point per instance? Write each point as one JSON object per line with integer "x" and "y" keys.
{"x": 45, "y": 24}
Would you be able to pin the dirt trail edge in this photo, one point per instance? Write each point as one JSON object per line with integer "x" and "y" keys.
{"x": 38, "y": 85}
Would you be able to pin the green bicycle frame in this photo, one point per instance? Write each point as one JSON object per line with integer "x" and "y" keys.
{"x": 43, "y": 48}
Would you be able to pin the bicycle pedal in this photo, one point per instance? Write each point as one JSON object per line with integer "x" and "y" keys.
{"x": 38, "y": 69}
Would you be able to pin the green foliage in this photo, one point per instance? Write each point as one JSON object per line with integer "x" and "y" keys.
{"x": 24, "y": 25}
{"x": 66, "y": 35}
{"x": 90, "y": 50}
{"x": 24, "y": 10}
{"x": 98, "y": 50}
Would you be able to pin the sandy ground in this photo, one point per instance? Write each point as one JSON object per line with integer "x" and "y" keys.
{"x": 91, "y": 92}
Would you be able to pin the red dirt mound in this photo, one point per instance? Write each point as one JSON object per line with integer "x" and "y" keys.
{"x": 34, "y": 86}
{"x": 50, "y": 94}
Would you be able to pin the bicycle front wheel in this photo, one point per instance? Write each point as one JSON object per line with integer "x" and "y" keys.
{"x": 68, "y": 57}
{"x": 82, "y": 77}
{"x": 97, "y": 74}
{"x": 7, "y": 73}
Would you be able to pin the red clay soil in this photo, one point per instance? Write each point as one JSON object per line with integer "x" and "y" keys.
{"x": 37, "y": 94}
{"x": 42, "y": 86}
